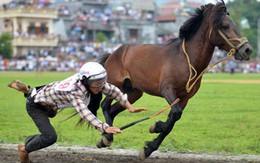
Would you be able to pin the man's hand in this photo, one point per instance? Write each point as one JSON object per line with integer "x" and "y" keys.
{"x": 113, "y": 130}
{"x": 133, "y": 109}
{"x": 136, "y": 110}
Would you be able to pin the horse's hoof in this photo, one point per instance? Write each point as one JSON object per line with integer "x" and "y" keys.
{"x": 100, "y": 144}
{"x": 106, "y": 141}
{"x": 142, "y": 154}
{"x": 152, "y": 128}
{"x": 103, "y": 142}
{"x": 157, "y": 127}
{"x": 145, "y": 152}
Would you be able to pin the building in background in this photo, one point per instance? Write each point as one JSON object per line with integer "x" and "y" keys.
{"x": 75, "y": 25}
{"x": 31, "y": 25}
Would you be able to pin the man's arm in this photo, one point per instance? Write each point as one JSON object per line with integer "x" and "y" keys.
{"x": 87, "y": 115}
{"x": 115, "y": 93}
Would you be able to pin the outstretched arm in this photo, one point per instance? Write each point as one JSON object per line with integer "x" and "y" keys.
{"x": 87, "y": 115}
{"x": 116, "y": 94}
{"x": 133, "y": 109}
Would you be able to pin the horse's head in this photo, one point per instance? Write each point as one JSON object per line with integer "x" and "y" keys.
{"x": 225, "y": 34}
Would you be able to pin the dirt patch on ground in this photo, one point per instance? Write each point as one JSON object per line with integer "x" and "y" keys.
{"x": 58, "y": 154}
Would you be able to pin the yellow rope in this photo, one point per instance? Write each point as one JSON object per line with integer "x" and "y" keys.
{"x": 190, "y": 85}
{"x": 241, "y": 41}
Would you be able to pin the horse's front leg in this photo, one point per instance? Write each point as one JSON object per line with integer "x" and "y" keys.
{"x": 110, "y": 113}
{"x": 164, "y": 128}
{"x": 106, "y": 139}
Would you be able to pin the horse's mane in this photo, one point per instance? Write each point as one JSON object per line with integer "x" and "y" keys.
{"x": 191, "y": 26}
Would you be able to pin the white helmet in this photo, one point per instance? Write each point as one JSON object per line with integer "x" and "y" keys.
{"x": 93, "y": 74}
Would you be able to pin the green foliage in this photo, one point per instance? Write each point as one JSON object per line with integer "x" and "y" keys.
{"x": 6, "y": 45}
{"x": 101, "y": 37}
{"x": 249, "y": 9}
{"x": 220, "y": 118}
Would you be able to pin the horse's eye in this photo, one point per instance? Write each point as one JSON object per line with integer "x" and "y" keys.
{"x": 225, "y": 26}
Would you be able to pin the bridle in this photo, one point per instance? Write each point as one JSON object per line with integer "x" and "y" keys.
{"x": 231, "y": 52}
{"x": 241, "y": 40}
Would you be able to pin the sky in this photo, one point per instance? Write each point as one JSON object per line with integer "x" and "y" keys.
{"x": 214, "y": 1}
{"x": 210, "y": 1}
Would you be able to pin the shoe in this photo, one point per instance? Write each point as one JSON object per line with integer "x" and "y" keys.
{"x": 24, "y": 157}
{"x": 19, "y": 86}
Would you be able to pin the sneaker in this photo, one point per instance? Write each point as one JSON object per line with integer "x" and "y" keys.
{"x": 19, "y": 86}
{"x": 24, "y": 157}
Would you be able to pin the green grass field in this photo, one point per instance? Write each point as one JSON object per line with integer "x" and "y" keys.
{"x": 220, "y": 118}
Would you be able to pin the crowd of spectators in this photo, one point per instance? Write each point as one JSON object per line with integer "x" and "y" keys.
{"x": 233, "y": 66}
{"x": 103, "y": 16}
{"x": 72, "y": 53}
{"x": 58, "y": 64}
{"x": 38, "y": 4}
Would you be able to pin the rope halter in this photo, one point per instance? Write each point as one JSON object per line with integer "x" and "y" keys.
{"x": 231, "y": 52}
{"x": 241, "y": 40}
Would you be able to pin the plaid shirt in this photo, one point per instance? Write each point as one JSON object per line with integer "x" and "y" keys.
{"x": 77, "y": 96}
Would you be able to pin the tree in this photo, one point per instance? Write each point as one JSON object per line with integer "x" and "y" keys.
{"x": 6, "y": 45}
{"x": 246, "y": 10}
{"x": 101, "y": 37}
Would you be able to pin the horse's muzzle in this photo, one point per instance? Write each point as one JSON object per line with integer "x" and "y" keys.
{"x": 244, "y": 52}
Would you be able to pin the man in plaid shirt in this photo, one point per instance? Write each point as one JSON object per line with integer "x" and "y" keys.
{"x": 75, "y": 91}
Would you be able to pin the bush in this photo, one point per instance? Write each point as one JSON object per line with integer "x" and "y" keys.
{"x": 6, "y": 45}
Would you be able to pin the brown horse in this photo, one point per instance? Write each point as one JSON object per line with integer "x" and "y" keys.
{"x": 166, "y": 70}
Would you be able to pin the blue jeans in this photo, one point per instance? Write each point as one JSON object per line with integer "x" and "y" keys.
{"x": 40, "y": 118}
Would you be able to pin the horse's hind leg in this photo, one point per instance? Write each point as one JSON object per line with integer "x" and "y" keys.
{"x": 95, "y": 103}
{"x": 164, "y": 128}
{"x": 106, "y": 141}
{"x": 110, "y": 112}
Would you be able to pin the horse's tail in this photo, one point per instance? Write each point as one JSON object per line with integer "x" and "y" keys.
{"x": 102, "y": 60}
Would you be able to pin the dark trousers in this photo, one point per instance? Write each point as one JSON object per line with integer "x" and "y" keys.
{"x": 40, "y": 117}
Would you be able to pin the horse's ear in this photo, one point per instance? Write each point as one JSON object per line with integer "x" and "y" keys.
{"x": 224, "y": 6}
{"x": 223, "y": 2}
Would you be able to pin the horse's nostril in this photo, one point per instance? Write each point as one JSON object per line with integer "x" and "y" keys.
{"x": 248, "y": 51}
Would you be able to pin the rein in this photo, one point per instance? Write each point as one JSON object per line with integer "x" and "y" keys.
{"x": 232, "y": 51}
{"x": 152, "y": 116}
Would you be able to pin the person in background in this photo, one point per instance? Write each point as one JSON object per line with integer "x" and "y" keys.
{"x": 231, "y": 67}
